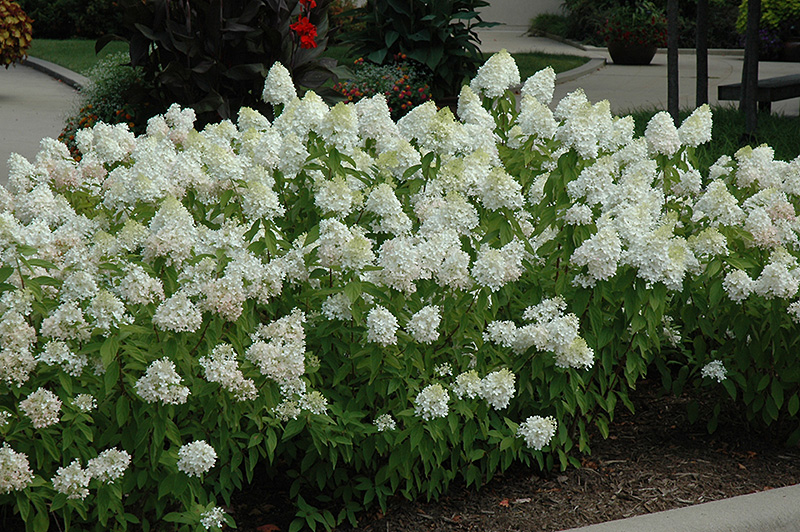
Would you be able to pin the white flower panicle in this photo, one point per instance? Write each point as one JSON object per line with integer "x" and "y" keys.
{"x": 212, "y": 518}
{"x": 15, "y": 471}
{"x": 178, "y": 313}
{"x": 424, "y": 324}
{"x": 552, "y": 330}
{"x": 221, "y": 367}
{"x": 432, "y": 402}
{"x": 381, "y": 326}
{"x": 385, "y": 422}
{"x": 16, "y": 342}
{"x": 497, "y": 74}
{"x": 696, "y": 129}
{"x": 43, "y": 407}
{"x": 85, "y": 402}
{"x": 279, "y": 348}
{"x": 496, "y": 267}
{"x": 72, "y": 481}
{"x": 662, "y": 135}
{"x": 537, "y": 431}
{"x": 714, "y": 370}
{"x": 278, "y": 86}
{"x": 162, "y": 383}
{"x": 196, "y": 458}
{"x": 57, "y": 352}
{"x": 109, "y": 465}
{"x": 468, "y": 384}
{"x": 337, "y": 307}
{"x": 497, "y": 388}
{"x": 541, "y": 85}
{"x": 738, "y": 285}
{"x": 794, "y": 311}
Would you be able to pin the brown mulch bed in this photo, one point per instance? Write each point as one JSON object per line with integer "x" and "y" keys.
{"x": 654, "y": 460}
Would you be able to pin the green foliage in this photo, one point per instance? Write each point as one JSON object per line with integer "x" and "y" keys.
{"x": 15, "y": 33}
{"x": 550, "y": 23}
{"x": 438, "y": 34}
{"x": 780, "y": 15}
{"x": 213, "y": 56}
{"x": 62, "y": 19}
{"x": 400, "y": 82}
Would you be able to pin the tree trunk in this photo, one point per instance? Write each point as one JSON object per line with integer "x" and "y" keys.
{"x": 672, "y": 59}
{"x": 701, "y": 43}
{"x": 748, "y": 102}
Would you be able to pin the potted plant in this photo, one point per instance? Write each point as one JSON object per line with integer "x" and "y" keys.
{"x": 634, "y": 32}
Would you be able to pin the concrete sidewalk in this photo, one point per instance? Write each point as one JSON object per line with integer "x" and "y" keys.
{"x": 33, "y": 105}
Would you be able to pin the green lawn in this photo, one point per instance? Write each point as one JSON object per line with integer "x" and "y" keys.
{"x": 75, "y": 54}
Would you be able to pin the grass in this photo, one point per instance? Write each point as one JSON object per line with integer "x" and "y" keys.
{"x": 75, "y": 54}
{"x": 780, "y": 132}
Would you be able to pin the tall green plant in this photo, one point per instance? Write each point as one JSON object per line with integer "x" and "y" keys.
{"x": 213, "y": 56}
{"x": 440, "y": 34}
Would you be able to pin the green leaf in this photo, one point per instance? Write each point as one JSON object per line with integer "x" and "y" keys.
{"x": 108, "y": 350}
{"x": 777, "y": 393}
{"x": 793, "y": 405}
{"x": 123, "y": 410}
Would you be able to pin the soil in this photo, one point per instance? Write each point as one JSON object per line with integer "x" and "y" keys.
{"x": 653, "y": 460}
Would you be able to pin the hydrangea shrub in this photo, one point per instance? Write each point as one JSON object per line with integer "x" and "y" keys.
{"x": 375, "y": 307}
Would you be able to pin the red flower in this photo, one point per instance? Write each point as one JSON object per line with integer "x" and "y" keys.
{"x": 307, "y": 32}
{"x": 309, "y": 4}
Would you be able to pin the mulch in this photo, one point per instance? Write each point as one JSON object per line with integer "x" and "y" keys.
{"x": 653, "y": 460}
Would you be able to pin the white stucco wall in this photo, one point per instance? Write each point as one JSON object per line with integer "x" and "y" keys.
{"x": 518, "y": 13}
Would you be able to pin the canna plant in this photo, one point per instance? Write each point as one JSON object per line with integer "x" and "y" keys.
{"x": 213, "y": 56}
{"x": 375, "y": 308}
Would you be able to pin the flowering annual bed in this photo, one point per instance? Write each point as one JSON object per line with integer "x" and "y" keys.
{"x": 371, "y": 307}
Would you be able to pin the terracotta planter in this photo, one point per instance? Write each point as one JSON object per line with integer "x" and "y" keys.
{"x": 627, "y": 54}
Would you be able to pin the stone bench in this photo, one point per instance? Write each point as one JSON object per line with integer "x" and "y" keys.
{"x": 769, "y": 90}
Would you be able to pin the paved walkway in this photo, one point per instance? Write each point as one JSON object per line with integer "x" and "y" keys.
{"x": 33, "y": 105}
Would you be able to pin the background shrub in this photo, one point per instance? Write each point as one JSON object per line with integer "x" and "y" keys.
{"x": 585, "y": 18}
{"x": 438, "y": 35}
{"x": 61, "y": 19}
